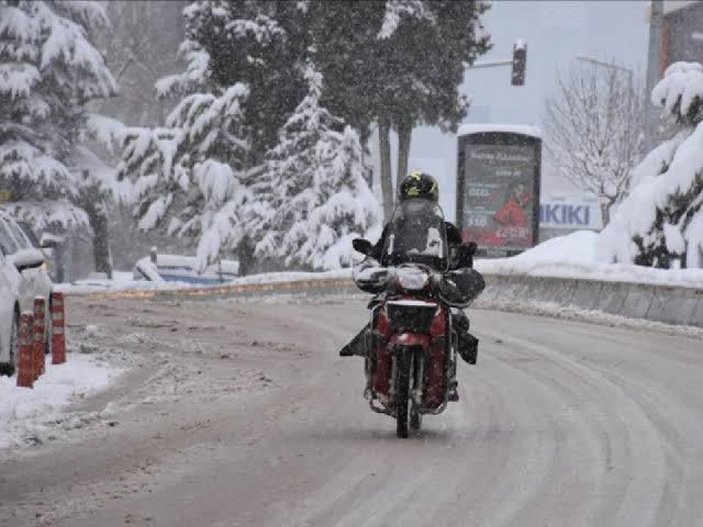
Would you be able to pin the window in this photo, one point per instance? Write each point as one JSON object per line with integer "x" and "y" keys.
{"x": 18, "y": 235}
{"x": 7, "y": 242}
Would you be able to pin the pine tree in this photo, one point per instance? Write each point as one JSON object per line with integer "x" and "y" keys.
{"x": 258, "y": 43}
{"x": 398, "y": 63}
{"x": 224, "y": 183}
{"x": 192, "y": 177}
{"x": 423, "y": 51}
{"x": 660, "y": 224}
{"x": 318, "y": 199}
{"x": 49, "y": 70}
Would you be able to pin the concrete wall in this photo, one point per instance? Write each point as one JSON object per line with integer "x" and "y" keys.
{"x": 671, "y": 305}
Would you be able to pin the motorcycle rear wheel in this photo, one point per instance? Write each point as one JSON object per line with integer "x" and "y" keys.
{"x": 402, "y": 392}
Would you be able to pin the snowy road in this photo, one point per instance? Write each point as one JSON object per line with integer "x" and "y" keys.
{"x": 242, "y": 414}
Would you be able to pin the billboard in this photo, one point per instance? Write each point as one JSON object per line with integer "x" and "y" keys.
{"x": 498, "y": 188}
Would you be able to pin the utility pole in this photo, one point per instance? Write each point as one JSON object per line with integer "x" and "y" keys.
{"x": 654, "y": 61}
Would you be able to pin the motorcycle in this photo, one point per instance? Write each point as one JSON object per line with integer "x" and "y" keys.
{"x": 412, "y": 357}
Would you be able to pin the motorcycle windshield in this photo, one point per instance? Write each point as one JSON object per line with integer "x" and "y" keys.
{"x": 416, "y": 234}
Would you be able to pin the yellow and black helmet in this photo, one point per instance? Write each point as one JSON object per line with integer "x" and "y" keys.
{"x": 418, "y": 185}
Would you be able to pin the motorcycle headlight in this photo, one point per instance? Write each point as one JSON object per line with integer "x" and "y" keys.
{"x": 412, "y": 279}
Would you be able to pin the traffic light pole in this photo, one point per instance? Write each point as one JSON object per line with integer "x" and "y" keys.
{"x": 490, "y": 64}
{"x": 518, "y": 63}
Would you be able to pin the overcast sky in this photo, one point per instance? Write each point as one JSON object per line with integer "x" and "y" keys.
{"x": 555, "y": 32}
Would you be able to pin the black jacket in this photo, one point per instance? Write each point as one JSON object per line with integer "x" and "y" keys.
{"x": 461, "y": 256}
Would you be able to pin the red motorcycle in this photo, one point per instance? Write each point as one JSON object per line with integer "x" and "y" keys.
{"x": 411, "y": 364}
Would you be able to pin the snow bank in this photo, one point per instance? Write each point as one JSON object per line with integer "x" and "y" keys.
{"x": 25, "y": 412}
{"x": 574, "y": 256}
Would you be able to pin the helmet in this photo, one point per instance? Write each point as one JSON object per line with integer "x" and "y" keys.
{"x": 418, "y": 185}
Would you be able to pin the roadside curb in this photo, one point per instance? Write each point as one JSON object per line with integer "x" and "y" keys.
{"x": 667, "y": 304}
{"x": 319, "y": 286}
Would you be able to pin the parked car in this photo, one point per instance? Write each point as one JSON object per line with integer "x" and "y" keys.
{"x": 23, "y": 277}
{"x": 9, "y": 318}
{"x": 177, "y": 268}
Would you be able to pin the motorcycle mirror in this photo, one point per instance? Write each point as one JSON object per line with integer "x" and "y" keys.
{"x": 362, "y": 245}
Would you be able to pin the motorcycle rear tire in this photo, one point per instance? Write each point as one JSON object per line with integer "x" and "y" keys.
{"x": 402, "y": 392}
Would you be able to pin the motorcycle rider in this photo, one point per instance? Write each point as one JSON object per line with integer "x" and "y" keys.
{"x": 459, "y": 285}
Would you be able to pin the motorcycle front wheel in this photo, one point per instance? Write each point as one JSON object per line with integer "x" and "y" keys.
{"x": 415, "y": 418}
{"x": 402, "y": 392}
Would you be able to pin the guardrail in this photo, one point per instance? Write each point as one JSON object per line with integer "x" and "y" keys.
{"x": 667, "y": 304}
{"x": 671, "y": 305}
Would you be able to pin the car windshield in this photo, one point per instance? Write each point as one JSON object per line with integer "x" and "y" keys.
{"x": 416, "y": 234}
{"x": 28, "y": 233}
{"x": 7, "y": 241}
{"x": 20, "y": 237}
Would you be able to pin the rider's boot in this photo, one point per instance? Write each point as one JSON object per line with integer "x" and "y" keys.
{"x": 467, "y": 344}
{"x": 357, "y": 345}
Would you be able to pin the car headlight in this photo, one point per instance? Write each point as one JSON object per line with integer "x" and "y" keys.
{"x": 412, "y": 279}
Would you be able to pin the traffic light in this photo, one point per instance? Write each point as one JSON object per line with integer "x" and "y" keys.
{"x": 517, "y": 77}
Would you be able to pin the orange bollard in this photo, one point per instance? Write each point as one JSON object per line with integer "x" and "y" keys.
{"x": 58, "y": 338}
{"x": 25, "y": 376}
{"x": 39, "y": 336}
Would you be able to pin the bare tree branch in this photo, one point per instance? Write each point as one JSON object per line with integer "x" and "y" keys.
{"x": 593, "y": 130}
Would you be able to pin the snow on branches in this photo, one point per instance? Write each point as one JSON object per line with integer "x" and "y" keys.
{"x": 680, "y": 92}
{"x": 317, "y": 199}
{"x": 48, "y": 70}
{"x": 660, "y": 224}
{"x": 191, "y": 175}
{"x": 395, "y": 9}
{"x": 273, "y": 174}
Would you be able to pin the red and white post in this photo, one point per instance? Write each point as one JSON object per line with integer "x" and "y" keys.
{"x": 39, "y": 336}
{"x": 58, "y": 332}
{"x": 25, "y": 371}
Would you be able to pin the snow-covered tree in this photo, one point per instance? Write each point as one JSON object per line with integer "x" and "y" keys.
{"x": 216, "y": 171}
{"x": 317, "y": 199}
{"x": 192, "y": 177}
{"x": 660, "y": 224}
{"x": 260, "y": 44}
{"x": 49, "y": 70}
{"x": 594, "y": 131}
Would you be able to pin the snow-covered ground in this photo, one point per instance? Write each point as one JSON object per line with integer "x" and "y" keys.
{"x": 570, "y": 256}
{"x": 25, "y": 413}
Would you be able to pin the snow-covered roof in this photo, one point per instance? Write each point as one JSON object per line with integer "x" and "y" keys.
{"x": 674, "y": 5}
{"x": 524, "y": 129}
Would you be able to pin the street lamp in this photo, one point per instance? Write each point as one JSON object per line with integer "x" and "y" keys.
{"x": 610, "y": 65}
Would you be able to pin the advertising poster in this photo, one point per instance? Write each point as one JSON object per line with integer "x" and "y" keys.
{"x": 500, "y": 195}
